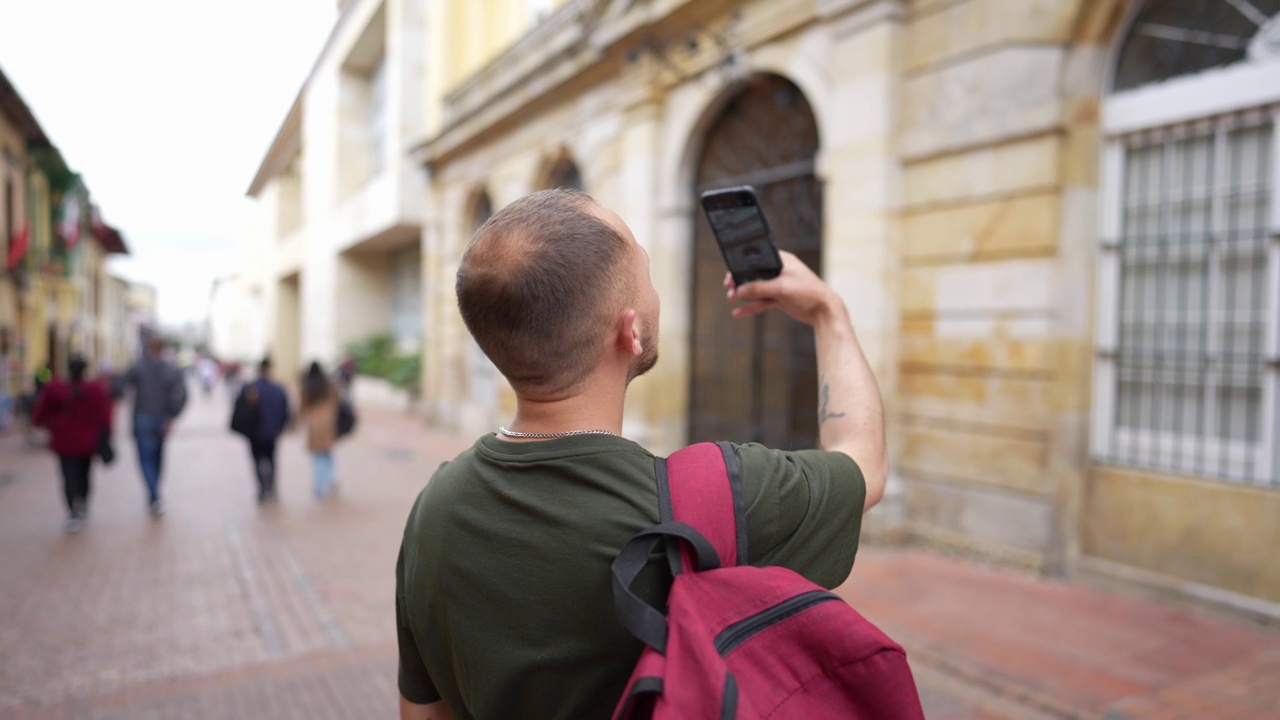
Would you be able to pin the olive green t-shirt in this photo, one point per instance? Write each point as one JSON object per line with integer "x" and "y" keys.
{"x": 503, "y": 590}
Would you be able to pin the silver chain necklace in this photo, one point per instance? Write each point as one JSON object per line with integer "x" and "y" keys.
{"x": 551, "y": 436}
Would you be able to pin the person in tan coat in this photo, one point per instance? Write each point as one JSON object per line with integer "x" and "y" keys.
{"x": 319, "y": 414}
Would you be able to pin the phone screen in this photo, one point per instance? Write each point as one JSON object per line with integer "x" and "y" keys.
{"x": 742, "y": 233}
{"x": 745, "y": 241}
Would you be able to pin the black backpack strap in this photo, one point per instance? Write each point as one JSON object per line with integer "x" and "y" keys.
{"x": 642, "y": 619}
{"x": 670, "y": 545}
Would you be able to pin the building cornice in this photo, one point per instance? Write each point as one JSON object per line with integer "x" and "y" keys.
{"x": 288, "y": 139}
{"x": 674, "y": 40}
{"x": 553, "y": 52}
{"x": 15, "y": 110}
{"x": 285, "y": 146}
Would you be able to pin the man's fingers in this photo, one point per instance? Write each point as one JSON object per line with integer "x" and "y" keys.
{"x": 755, "y": 290}
{"x": 754, "y": 308}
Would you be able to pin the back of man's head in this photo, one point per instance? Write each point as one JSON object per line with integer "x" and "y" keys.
{"x": 539, "y": 287}
{"x": 264, "y": 367}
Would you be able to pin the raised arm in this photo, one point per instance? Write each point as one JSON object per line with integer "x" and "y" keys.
{"x": 850, "y": 412}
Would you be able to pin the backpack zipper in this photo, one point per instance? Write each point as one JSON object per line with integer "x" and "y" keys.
{"x": 739, "y": 632}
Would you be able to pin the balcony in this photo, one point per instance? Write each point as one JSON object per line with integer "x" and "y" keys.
{"x": 384, "y": 214}
{"x": 554, "y": 51}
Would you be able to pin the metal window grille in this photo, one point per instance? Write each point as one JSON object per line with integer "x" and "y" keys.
{"x": 1189, "y": 274}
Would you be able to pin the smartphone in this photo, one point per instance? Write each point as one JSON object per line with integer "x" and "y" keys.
{"x": 743, "y": 235}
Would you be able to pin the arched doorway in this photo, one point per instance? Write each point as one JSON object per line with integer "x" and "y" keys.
{"x": 756, "y": 380}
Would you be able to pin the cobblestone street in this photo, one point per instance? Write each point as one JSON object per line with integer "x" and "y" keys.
{"x": 221, "y": 609}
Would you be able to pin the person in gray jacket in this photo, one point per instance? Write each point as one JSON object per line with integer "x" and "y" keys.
{"x": 159, "y": 394}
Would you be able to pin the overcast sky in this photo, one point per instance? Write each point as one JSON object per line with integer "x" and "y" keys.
{"x": 165, "y": 107}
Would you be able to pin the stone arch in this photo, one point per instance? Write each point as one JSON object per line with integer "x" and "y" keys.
{"x": 560, "y": 171}
{"x": 478, "y": 210}
{"x": 712, "y": 100}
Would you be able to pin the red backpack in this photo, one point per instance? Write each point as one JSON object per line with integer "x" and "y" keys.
{"x": 740, "y": 641}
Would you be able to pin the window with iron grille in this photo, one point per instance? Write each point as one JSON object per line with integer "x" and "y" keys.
{"x": 1190, "y": 364}
{"x": 1188, "y": 306}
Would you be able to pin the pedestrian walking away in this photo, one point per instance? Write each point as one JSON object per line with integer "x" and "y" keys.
{"x": 159, "y": 395}
{"x": 77, "y": 413}
{"x": 6, "y": 398}
{"x": 207, "y": 371}
{"x": 232, "y": 379}
{"x": 347, "y": 373}
{"x": 557, "y": 292}
{"x": 318, "y": 413}
{"x": 266, "y": 405}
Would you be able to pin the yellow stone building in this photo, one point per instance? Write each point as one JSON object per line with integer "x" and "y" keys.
{"x": 53, "y": 254}
{"x": 1054, "y": 222}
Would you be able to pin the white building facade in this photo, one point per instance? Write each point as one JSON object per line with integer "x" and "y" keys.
{"x": 335, "y": 245}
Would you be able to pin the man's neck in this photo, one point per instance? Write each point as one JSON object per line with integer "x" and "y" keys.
{"x": 596, "y": 406}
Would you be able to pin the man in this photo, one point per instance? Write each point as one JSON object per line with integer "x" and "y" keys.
{"x": 207, "y": 370}
{"x": 232, "y": 378}
{"x": 159, "y": 394}
{"x": 504, "y": 603}
{"x": 77, "y": 413}
{"x": 42, "y": 377}
{"x": 6, "y": 400}
{"x": 273, "y": 417}
{"x": 347, "y": 374}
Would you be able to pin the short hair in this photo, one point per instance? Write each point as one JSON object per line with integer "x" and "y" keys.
{"x": 76, "y": 367}
{"x": 265, "y": 364}
{"x": 538, "y": 287}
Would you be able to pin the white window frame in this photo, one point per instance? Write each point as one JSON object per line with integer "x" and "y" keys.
{"x": 1251, "y": 84}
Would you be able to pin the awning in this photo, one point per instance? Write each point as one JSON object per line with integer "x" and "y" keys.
{"x": 110, "y": 239}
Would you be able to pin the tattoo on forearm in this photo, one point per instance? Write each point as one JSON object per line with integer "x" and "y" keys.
{"x": 823, "y": 414}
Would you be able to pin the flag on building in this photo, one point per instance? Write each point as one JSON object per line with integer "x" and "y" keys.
{"x": 18, "y": 246}
{"x": 69, "y": 227}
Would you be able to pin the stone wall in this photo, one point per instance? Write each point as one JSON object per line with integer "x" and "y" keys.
{"x": 960, "y": 150}
{"x": 986, "y": 359}
{"x": 634, "y": 128}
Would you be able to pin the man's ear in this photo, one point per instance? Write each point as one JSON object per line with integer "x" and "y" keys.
{"x": 629, "y": 334}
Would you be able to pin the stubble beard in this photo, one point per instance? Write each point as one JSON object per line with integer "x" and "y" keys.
{"x": 647, "y": 359}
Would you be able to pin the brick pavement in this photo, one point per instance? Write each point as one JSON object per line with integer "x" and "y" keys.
{"x": 222, "y": 609}
{"x": 130, "y": 606}
{"x": 1065, "y": 650}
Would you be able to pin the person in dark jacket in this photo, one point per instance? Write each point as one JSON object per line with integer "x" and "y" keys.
{"x": 273, "y": 416}
{"x": 159, "y": 394}
{"x": 77, "y": 413}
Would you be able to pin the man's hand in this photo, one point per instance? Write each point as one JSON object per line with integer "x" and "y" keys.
{"x": 797, "y": 291}
{"x": 850, "y": 413}
{"x": 435, "y": 711}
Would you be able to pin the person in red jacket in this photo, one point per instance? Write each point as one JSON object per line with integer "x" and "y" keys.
{"x": 76, "y": 412}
